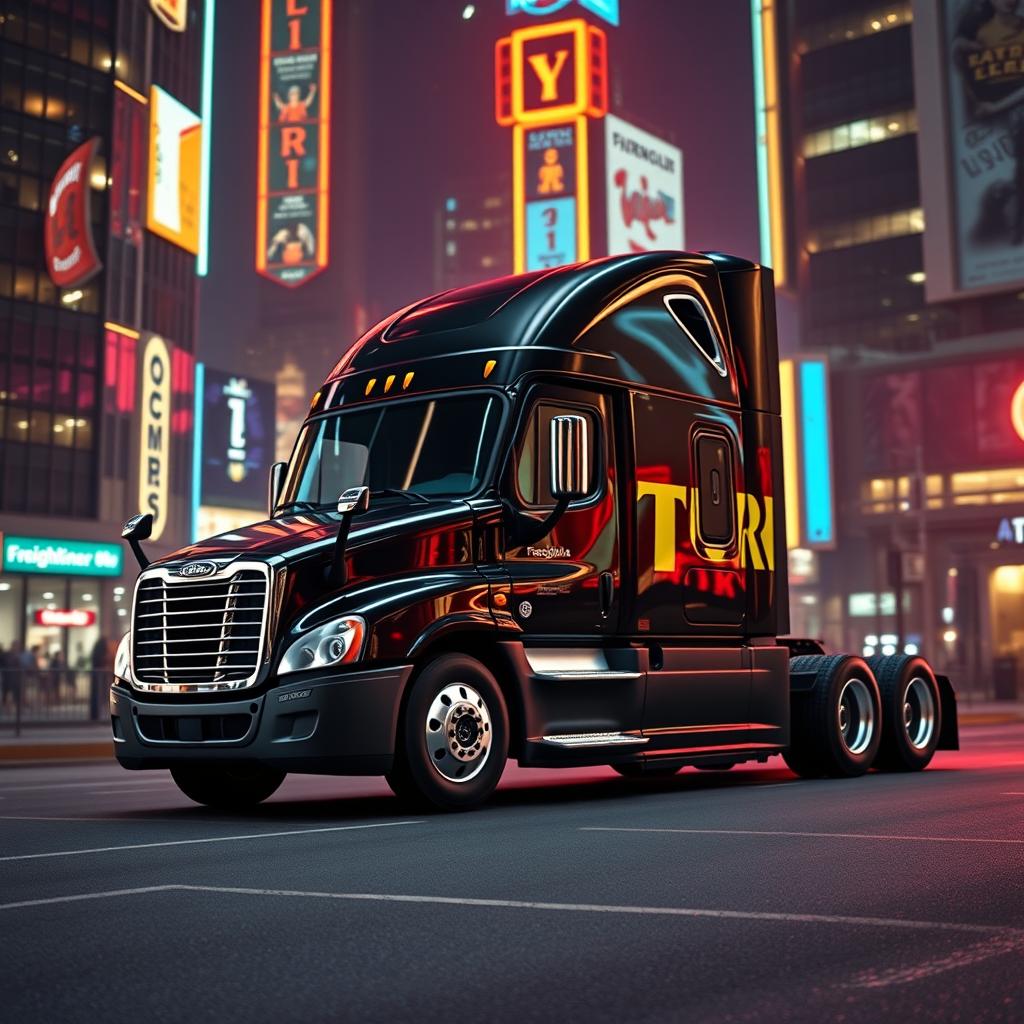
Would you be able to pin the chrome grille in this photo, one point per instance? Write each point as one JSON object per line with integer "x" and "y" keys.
{"x": 205, "y": 633}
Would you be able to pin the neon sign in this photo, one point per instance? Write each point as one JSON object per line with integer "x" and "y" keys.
{"x": 155, "y": 433}
{"x": 64, "y": 617}
{"x": 607, "y": 9}
{"x": 1017, "y": 411}
{"x": 67, "y": 233}
{"x": 294, "y": 140}
{"x": 549, "y": 80}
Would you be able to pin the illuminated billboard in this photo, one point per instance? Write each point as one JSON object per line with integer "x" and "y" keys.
{"x": 173, "y": 13}
{"x": 294, "y": 140}
{"x": 971, "y": 145}
{"x": 550, "y": 189}
{"x": 643, "y": 189}
{"x": 549, "y": 80}
{"x": 607, "y": 9}
{"x": 173, "y": 199}
{"x": 236, "y": 440}
{"x": 155, "y": 433}
{"x": 67, "y": 232}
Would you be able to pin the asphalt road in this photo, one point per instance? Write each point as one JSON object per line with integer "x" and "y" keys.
{"x": 739, "y": 896}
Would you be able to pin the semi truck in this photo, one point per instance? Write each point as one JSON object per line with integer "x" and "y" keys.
{"x": 539, "y": 518}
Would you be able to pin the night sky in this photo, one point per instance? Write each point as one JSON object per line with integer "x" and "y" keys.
{"x": 415, "y": 110}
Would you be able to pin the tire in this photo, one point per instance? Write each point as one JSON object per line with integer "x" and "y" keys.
{"x": 641, "y": 771}
{"x": 235, "y": 787}
{"x": 836, "y": 725}
{"x": 458, "y": 696}
{"x": 911, "y": 712}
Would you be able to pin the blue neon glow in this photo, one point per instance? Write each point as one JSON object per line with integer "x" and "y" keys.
{"x": 607, "y": 9}
{"x": 761, "y": 136}
{"x": 197, "y": 448}
{"x": 206, "y": 113}
{"x": 816, "y": 454}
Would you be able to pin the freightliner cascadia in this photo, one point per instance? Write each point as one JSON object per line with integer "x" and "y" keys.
{"x": 540, "y": 518}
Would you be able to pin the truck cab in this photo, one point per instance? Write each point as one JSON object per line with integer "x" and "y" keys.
{"x": 538, "y": 518}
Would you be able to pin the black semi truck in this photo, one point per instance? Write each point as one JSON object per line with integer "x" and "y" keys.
{"x": 538, "y": 518}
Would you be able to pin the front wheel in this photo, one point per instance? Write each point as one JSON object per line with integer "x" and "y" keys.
{"x": 453, "y": 738}
{"x": 227, "y": 787}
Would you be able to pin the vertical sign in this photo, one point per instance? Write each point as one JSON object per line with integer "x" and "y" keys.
{"x": 155, "y": 433}
{"x": 548, "y": 170}
{"x": 549, "y": 80}
{"x": 70, "y": 253}
{"x": 644, "y": 189}
{"x": 173, "y": 198}
{"x": 294, "y": 140}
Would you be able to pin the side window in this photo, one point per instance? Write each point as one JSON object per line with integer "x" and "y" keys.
{"x": 533, "y": 453}
{"x": 692, "y": 318}
{"x": 715, "y": 479}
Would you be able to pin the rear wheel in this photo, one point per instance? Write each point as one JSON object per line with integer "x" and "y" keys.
{"x": 453, "y": 737}
{"x": 234, "y": 787}
{"x": 836, "y": 724}
{"x": 911, "y": 712}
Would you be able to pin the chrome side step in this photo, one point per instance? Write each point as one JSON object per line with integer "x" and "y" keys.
{"x": 594, "y": 739}
{"x": 588, "y": 675}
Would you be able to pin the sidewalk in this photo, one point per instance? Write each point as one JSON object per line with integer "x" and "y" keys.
{"x": 88, "y": 741}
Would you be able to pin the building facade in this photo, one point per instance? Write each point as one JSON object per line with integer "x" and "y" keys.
{"x": 929, "y": 465}
{"x": 96, "y": 377}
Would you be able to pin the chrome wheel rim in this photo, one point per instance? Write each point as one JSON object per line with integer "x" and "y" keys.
{"x": 919, "y": 713}
{"x": 458, "y": 733}
{"x": 855, "y": 716}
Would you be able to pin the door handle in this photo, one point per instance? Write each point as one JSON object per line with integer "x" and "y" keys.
{"x": 606, "y": 591}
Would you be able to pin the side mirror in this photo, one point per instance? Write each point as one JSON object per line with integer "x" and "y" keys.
{"x": 355, "y": 500}
{"x": 276, "y": 481}
{"x": 137, "y": 529}
{"x": 351, "y": 502}
{"x": 570, "y": 458}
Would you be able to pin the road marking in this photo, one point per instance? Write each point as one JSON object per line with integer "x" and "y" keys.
{"x": 1001, "y": 932}
{"x": 210, "y": 839}
{"x": 805, "y": 835}
{"x": 77, "y": 897}
{"x": 74, "y": 785}
{"x": 1012, "y": 793}
{"x": 999, "y": 945}
{"x": 124, "y": 819}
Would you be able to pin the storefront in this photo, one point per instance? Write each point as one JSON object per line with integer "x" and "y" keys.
{"x": 62, "y": 597}
{"x": 931, "y": 552}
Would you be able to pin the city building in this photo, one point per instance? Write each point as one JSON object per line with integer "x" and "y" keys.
{"x": 473, "y": 231}
{"x": 98, "y": 304}
{"x": 900, "y": 279}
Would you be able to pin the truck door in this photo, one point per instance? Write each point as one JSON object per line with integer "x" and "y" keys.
{"x": 690, "y": 599}
{"x": 565, "y": 582}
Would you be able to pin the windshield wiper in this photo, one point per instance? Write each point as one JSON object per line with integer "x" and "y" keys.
{"x": 299, "y": 506}
{"x": 398, "y": 492}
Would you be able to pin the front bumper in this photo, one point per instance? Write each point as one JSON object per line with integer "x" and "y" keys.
{"x": 342, "y": 725}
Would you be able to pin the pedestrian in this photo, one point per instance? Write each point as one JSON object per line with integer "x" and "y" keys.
{"x": 12, "y": 675}
{"x": 102, "y": 664}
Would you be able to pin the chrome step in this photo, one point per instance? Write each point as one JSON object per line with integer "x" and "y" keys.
{"x": 594, "y": 739}
{"x": 589, "y": 675}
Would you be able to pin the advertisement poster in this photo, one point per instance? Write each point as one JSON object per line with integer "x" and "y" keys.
{"x": 550, "y": 183}
{"x": 291, "y": 227}
{"x": 238, "y": 440}
{"x": 644, "y": 189}
{"x": 985, "y": 62}
{"x": 70, "y": 252}
{"x": 175, "y": 182}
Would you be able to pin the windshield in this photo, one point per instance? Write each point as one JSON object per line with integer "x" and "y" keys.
{"x": 437, "y": 447}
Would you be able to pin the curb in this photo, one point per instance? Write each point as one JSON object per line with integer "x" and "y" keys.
{"x": 55, "y": 753}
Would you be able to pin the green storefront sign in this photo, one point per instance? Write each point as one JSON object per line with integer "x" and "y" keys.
{"x": 61, "y": 557}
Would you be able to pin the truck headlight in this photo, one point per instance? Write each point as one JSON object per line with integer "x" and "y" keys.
{"x": 123, "y": 661}
{"x": 337, "y": 642}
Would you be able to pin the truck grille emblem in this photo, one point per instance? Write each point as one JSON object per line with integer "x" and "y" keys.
{"x": 197, "y": 569}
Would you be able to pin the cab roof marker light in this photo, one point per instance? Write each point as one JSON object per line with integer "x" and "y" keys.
{"x": 408, "y": 379}
{"x": 389, "y": 382}
{"x": 489, "y": 367}
{"x": 370, "y": 385}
